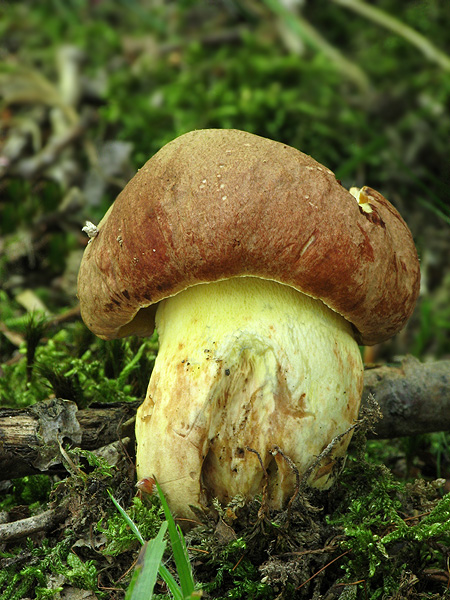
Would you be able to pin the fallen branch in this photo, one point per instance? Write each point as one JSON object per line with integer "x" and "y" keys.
{"x": 414, "y": 398}
{"x": 31, "y": 525}
{"x": 30, "y": 438}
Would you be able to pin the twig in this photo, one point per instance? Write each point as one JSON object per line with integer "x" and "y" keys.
{"x": 29, "y": 167}
{"x": 26, "y": 527}
{"x": 326, "y": 452}
{"x": 13, "y": 336}
{"x": 238, "y": 563}
{"x": 72, "y": 314}
{"x": 322, "y": 569}
{"x": 305, "y": 552}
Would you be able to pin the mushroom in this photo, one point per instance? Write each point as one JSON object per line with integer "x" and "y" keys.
{"x": 262, "y": 274}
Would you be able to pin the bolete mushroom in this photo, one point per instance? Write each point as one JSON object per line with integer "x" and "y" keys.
{"x": 263, "y": 274}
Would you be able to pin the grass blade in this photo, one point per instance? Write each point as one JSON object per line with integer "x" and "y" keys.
{"x": 129, "y": 521}
{"x": 169, "y": 579}
{"x": 179, "y": 550}
{"x": 146, "y": 571}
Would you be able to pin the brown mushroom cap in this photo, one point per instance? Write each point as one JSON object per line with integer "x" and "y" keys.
{"x": 215, "y": 204}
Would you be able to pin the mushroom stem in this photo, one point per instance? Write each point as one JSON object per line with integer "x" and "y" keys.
{"x": 245, "y": 363}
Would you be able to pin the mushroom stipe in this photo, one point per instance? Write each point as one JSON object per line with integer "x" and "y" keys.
{"x": 296, "y": 378}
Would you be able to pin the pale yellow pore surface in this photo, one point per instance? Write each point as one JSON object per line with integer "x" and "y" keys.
{"x": 245, "y": 363}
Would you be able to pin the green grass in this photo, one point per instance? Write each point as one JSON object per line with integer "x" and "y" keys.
{"x": 150, "y": 561}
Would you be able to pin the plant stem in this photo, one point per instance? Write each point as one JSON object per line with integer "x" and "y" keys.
{"x": 304, "y": 30}
{"x": 408, "y": 33}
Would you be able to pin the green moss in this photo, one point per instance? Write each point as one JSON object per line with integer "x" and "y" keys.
{"x": 381, "y": 543}
{"x": 236, "y": 573}
{"x": 147, "y": 516}
{"x": 31, "y": 489}
{"x": 116, "y": 372}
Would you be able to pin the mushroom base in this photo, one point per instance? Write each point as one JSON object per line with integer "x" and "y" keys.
{"x": 245, "y": 363}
